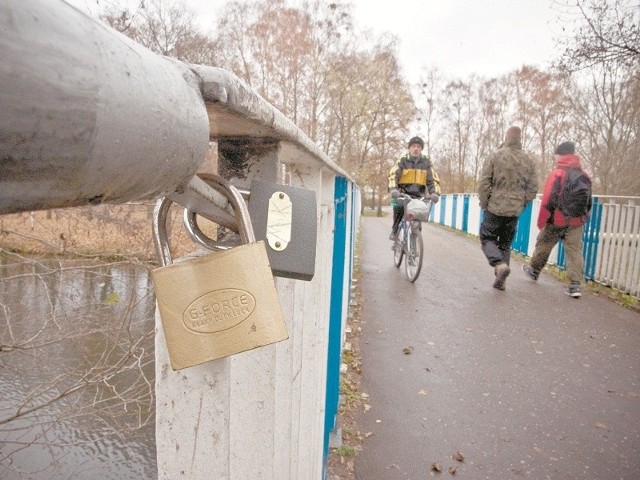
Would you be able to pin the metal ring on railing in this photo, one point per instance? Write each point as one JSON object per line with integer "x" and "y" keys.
{"x": 197, "y": 235}
{"x": 239, "y": 209}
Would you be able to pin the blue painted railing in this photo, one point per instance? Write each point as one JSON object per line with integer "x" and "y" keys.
{"x": 335, "y": 320}
{"x": 346, "y": 217}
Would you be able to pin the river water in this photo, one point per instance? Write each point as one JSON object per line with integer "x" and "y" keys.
{"x": 76, "y": 370}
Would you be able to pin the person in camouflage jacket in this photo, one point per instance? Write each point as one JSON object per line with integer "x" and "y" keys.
{"x": 508, "y": 182}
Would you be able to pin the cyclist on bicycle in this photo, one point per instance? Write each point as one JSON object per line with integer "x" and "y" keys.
{"x": 414, "y": 175}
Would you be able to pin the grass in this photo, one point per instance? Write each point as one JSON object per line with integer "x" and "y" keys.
{"x": 622, "y": 299}
{"x": 344, "y": 451}
{"x": 350, "y": 392}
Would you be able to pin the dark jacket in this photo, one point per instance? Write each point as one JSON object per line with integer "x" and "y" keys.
{"x": 508, "y": 181}
{"x": 555, "y": 181}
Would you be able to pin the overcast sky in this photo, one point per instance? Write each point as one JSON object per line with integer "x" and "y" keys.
{"x": 460, "y": 37}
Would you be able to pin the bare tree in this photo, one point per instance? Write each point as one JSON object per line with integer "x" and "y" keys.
{"x": 460, "y": 113}
{"x": 342, "y": 90}
{"x": 233, "y": 39}
{"x": 290, "y": 55}
{"x": 395, "y": 109}
{"x": 430, "y": 90}
{"x": 607, "y": 114}
{"x": 166, "y": 27}
{"x": 282, "y": 46}
{"x": 332, "y": 36}
{"x": 608, "y": 32}
{"x": 493, "y": 109}
{"x": 377, "y": 107}
{"x": 542, "y": 109}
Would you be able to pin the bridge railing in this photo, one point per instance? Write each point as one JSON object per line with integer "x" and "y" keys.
{"x": 611, "y": 239}
{"x": 91, "y": 117}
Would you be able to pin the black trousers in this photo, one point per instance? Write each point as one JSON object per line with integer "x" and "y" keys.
{"x": 496, "y": 236}
{"x": 398, "y": 213}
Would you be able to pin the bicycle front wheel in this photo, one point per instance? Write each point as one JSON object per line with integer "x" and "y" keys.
{"x": 415, "y": 249}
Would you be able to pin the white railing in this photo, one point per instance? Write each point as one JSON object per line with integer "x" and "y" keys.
{"x": 618, "y": 260}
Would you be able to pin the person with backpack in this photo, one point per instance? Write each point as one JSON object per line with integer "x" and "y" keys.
{"x": 508, "y": 182}
{"x": 564, "y": 209}
{"x": 414, "y": 175}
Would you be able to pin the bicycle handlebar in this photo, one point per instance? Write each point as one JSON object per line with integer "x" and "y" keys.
{"x": 428, "y": 198}
{"x": 397, "y": 194}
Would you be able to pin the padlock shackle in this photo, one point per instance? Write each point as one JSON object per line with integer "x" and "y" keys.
{"x": 159, "y": 226}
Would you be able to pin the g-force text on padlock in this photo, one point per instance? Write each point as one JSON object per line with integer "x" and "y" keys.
{"x": 219, "y": 310}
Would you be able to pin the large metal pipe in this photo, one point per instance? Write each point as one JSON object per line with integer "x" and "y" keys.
{"x": 87, "y": 115}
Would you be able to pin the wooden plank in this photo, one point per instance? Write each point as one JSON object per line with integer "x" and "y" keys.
{"x": 634, "y": 280}
{"x": 192, "y": 417}
{"x": 610, "y": 212}
{"x": 632, "y": 256}
{"x": 285, "y": 402}
{"x": 617, "y": 245}
{"x": 252, "y": 400}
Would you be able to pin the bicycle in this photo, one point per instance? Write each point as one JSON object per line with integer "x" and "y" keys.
{"x": 408, "y": 242}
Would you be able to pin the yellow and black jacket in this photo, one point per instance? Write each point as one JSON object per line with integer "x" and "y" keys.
{"x": 414, "y": 176}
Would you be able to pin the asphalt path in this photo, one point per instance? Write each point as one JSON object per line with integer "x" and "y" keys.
{"x": 526, "y": 383}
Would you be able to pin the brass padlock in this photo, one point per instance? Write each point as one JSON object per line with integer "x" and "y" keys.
{"x": 221, "y": 303}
